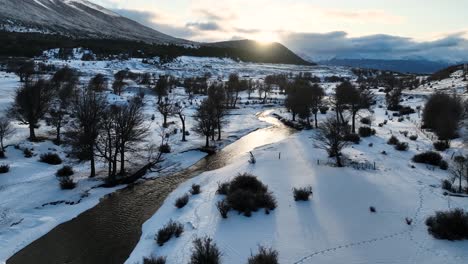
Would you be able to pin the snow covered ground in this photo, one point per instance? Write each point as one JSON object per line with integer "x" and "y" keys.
{"x": 336, "y": 226}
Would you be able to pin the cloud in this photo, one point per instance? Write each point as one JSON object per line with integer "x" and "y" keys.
{"x": 156, "y": 22}
{"x": 376, "y": 16}
{"x": 204, "y": 26}
{"x": 453, "y": 47}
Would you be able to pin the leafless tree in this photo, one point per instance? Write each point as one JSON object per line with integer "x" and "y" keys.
{"x": 179, "y": 110}
{"x": 161, "y": 88}
{"x": 317, "y": 94}
{"x": 166, "y": 108}
{"x": 6, "y": 131}
{"x": 205, "y": 120}
{"x": 32, "y": 100}
{"x": 98, "y": 83}
{"x": 331, "y": 137}
{"x": 217, "y": 99}
{"x": 459, "y": 170}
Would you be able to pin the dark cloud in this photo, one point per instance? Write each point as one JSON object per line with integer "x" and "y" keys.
{"x": 150, "y": 19}
{"x": 338, "y": 44}
{"x": 204, "y": 26}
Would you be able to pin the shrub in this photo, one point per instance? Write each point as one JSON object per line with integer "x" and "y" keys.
{"x": 324, "y": 109}
{"x": 4, "y": 168}
{"x": 302, "y": 194}
{"x": 65, "y": 171}
{"x": 441, "y": 145}
{"x": 171, "y": 229}
{"x": 413, "y": 137}
{"x": 154, "y": 260}
{"x": 351, "y": 137}
{"x": 451, "y": 225}
{"x": 447, "y": 185}
{"x": 195, "y": 189}
{"x": 402, "y": 146}
{"x": 372, "y": 209}
{"x": 366, "y": 121}
{"x": 182, "y": 201}
{"x": 51, "y": 158}
{"x": 443, "y": 165}
{"x": 205, "y": 251}
{"x": 406, "y": 110}
{"x": 264, "y": 256}
{"x": 366, "y": 132}
{"x": 27, "y": 153}
{"x": 429, "y": 157}
{"x": 66, "y": 183}
{"x": 223, "y": 188}
{"x": 165, "y": 148}
{"x": 223, "y": 208}
{"x": 2, "y": 154}
{"x": 393, "y": 140}
{"x": 246, "y": 194}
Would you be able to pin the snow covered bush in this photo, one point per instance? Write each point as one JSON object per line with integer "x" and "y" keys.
{"x": 154, "y": 260}
{"x": 195, "y": 189}
{"x": 366, "y": 131}
{"x": 27, "y": 153}
{"x": 441, "y": 145}
{"x": 351, "y": 137}
{"x": 302, "y": 194}
{"x": 428, "y": 157}
{"x": 66, "y": 183}
{"x": 182, "y": 201}
{"x": 393, "y": 140}
{"x": 366, "y": 121}
{"x": 223, "y": 188}
{"x": 51, "y": 158}
{"x": 264, "y": 256}
{"x": 246, "y": 194}
{"x": 447, "y": 185}
{"x": 65, "y": 171}
{"x": 413, "y": 137}
{"x": 171, "y": 229}
{"x": 402, "y": 146}
{"x": 451, "y": 225}
{"x": 205, "y": 251}
{"x": 4, "y": 168}
{"x": 165, "y": 148}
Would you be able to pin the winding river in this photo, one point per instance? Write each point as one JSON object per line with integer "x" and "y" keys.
{"x": 108, "y": 232}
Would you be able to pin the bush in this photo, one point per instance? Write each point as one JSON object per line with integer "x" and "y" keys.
{"x": 352, "y": 138}
{"x": 264, "y": 256}
{"x": 441, "y": 145}
{"x": 171, "y": 229}
{"x": 443, "y": 165}
{"x": 402, "y": 146}
{"x": 366, "y": 131}
{"x": 223, "y": 188}
{"x": 451, "y": 225}
{"x": 447, "y": 185}
{"x": 366, "y": 121}
{"x": 65, "y": 171}
{"x": 51, "y": 158}
{"x": 2, "y": 154}
{"x": 182, "y": 201}
{"x": 195, "y": 189}
{"x": 413, "y": 137}
{"x": 406, "y": 110}
{"x": 154, "y": 260}
{"x": 4, "y": 168}
{"x": 393, "y": 141}
{"x": 429, "y": 157}
{"x": 246, "y": 194}
{"x": 223, "y": 208}
{"x": 205, "y": 251}
{"x": 165, "y": 148}
{"x": 324, "y": 110}
{"x": 302, "y": 194}
{"x": 66, "y": 183}
{"x": 27, "y": 153}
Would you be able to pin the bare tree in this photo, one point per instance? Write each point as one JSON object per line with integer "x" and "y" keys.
{"x": 88, "y": 109}
{"x": 393, "y": 99}
{"x": 331, "y": 137}
{"x": 26, "y": 70}
{"x": 107, "y": 141}
{"x": 98, "y": 83}
{"x": 217, "y": 99}
{"x": 459, "y": 170}
{"x": 179, "y": 110}
{"x": 161, "y": 88}
{"x": 166, "y": 108}
{"x": 6, "y": 131}
{"x": 31, "y": 103}
{"x": 205, "y": 120}
{"x": 233, "y": 87}
{"x": 317, "y": 94}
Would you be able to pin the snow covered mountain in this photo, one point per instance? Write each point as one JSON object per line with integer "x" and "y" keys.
{"x": 75, "y": 18}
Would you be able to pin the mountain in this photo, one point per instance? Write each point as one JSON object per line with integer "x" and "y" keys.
{"x": 28, "y": 27}
{"x": 74, "y": 18}
{"x": 403, "y": 66}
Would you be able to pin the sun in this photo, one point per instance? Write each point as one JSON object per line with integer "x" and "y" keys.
{"x": 266, "y": 37}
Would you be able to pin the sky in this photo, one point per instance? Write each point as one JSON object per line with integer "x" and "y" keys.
{"x": 431, "y": 29}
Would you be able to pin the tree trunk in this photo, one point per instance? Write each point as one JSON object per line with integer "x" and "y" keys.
{"x": 165, "y": 120}
{"x": 293, "y": 116}
{"x": 122, "y": 160}
{"x": 354, "y": 122}
{"x": 207, "y": 141}
{"x": 316, "y": 122}
{"x": 219, "y": 129}
{"x": 32, "y": 134}
{"x": 338, "y": 160}
{"x": 93, "y": 165}
{"x": 182, "y": 120}
{"x": 58, "y": 135}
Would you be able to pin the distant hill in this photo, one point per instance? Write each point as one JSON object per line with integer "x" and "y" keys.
{"x": 403, "y": 66}
{"x": 28, "y": 27}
